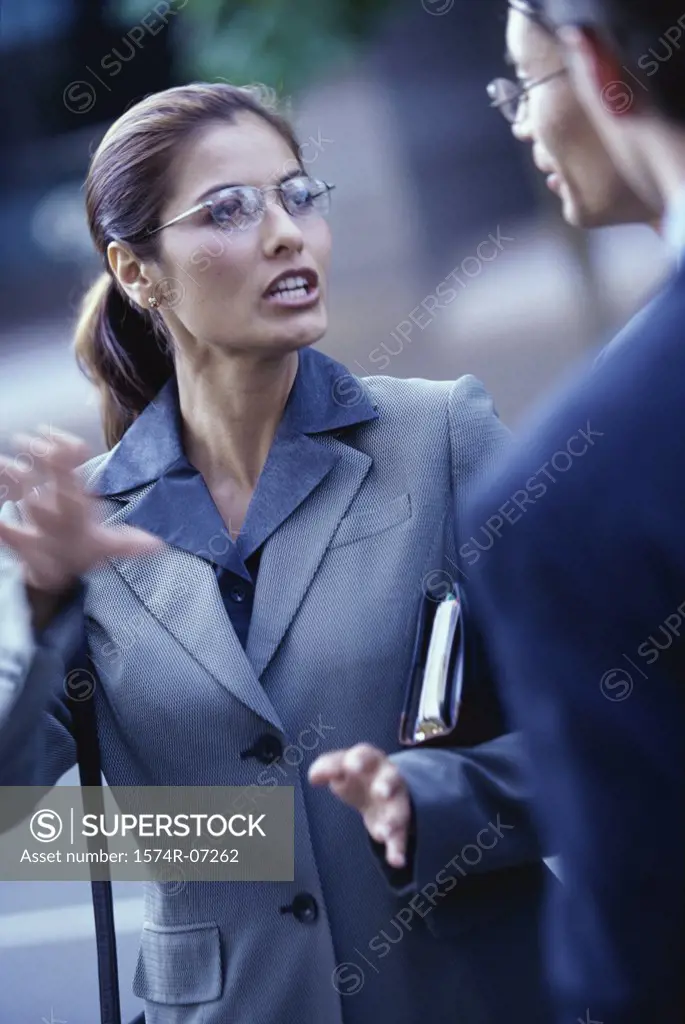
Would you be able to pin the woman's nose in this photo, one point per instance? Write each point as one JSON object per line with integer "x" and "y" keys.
{"x": 280, "y": 231}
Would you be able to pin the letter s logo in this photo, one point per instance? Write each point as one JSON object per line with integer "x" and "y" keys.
{"x": 45, "y": 826}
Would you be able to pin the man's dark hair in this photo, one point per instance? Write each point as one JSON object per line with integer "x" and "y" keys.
{"x": 646, "y": 37}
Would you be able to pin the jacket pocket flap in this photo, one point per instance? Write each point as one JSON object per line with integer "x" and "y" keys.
{"x": 179, "y": 965}
{"x": 365, "y": 523}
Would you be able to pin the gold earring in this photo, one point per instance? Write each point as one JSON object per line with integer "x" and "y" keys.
{"x": 153, "y": 302}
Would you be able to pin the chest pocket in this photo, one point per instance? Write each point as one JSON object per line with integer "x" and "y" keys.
{"x": 358, "y": 525}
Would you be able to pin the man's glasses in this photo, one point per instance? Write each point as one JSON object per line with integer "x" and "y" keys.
{"x": 242, "y": 206}
{"x": 508, "y": 97}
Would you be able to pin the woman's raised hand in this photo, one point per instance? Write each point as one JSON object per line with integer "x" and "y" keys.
{"x": 364, "y": 778}
{"x": 63, "y": 538}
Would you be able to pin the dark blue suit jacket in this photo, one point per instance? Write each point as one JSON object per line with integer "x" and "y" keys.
{"x": 577, "y": 555}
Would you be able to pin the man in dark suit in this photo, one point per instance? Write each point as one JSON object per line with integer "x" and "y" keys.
{"x": 582, "y": 592}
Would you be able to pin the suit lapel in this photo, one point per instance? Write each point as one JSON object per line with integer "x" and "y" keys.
{"x": 180, "y": 590}
{"x": 292, "y": 555}
{"x": 304, "y": 491}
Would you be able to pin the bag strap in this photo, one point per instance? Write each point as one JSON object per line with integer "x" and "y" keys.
{"x": 88, "y": 754}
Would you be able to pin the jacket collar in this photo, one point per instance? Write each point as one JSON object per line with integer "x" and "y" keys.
{"x": 325, "y": 397}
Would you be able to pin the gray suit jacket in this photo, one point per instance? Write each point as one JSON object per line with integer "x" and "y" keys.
{"x": 328, "y": 651}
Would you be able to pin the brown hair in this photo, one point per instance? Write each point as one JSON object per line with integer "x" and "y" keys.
{"x": 125, "y": 350}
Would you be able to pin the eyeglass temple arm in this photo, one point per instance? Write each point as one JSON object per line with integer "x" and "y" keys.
{"x": 182, "y": 216}
{"x": 523, "y": 89}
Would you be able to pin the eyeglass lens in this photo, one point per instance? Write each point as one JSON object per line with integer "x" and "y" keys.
{"x": 243, "y": 205}
{"x": 506, "y": 96}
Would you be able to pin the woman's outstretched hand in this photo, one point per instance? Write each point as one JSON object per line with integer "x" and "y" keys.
{"x": 63, "y": 539}
{"x": 366, "y": 779}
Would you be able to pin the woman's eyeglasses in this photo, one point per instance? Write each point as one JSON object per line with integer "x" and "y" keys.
{"x": 241, "y": 206}
{"x": 508, "y": 96}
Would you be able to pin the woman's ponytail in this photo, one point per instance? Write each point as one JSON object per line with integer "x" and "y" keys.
{"x": 123, "y": 351}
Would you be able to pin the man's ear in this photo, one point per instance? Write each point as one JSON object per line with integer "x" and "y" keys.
{"x": 130, "y": 273}
{"x": 598, "y": 74}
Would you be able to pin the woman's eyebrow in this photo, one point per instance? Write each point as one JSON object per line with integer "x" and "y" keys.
{"x": 297, "y": 173}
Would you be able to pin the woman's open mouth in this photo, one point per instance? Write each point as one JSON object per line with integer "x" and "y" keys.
{"x": 294, "y": 290}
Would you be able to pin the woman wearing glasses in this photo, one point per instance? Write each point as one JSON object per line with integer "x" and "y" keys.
{"x": 287, "y": 519}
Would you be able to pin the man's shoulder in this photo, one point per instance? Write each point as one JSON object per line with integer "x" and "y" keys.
{"x": 610, "y": 437}
{"x": 638, "y": 391}
{"x": 656, "y": 324}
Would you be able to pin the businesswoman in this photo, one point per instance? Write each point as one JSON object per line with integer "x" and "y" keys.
{"x": 253, "y": 550}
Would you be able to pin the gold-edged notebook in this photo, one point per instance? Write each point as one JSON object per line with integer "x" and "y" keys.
{"x": 434, "y": 690}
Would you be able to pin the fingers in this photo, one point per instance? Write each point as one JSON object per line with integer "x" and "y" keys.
{"x": 60, "y": 506}
{"x": 127, "y": 542}
{"x": 358, "y": 771}
{"x": 364, "y": 778}
{"x": 392, "y": 816}
{"x": 396, "y": 850}
{"x": 339, "y": 765}
{"x": 64, "y": 496}
{"x": 62, "y": 539}
{"x": 389, "y": 816}
{"x": 348, "y": 773}
{"x": 363, "y": 759}
{"x": 389, "y": 822}
{"x": 22, "y": 539}
{"x": 50, "y": 455}
{"x": 387, "y": 782}
{"x": 327, "y": 768}
{"x": 46, "y": 435}
{"x": 389, "y": 805}
{"x": 52, "y": 450}
{"x": 17, "y": 476}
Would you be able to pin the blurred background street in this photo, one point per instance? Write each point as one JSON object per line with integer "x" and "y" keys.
{"x": 389, "y": 99}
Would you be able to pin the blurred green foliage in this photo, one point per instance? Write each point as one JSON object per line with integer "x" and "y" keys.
{"x": 283, "y": 43}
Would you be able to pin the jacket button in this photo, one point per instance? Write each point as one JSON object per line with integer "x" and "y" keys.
{"x": 304, "y": 907}
{"x": 267, "y": 749}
